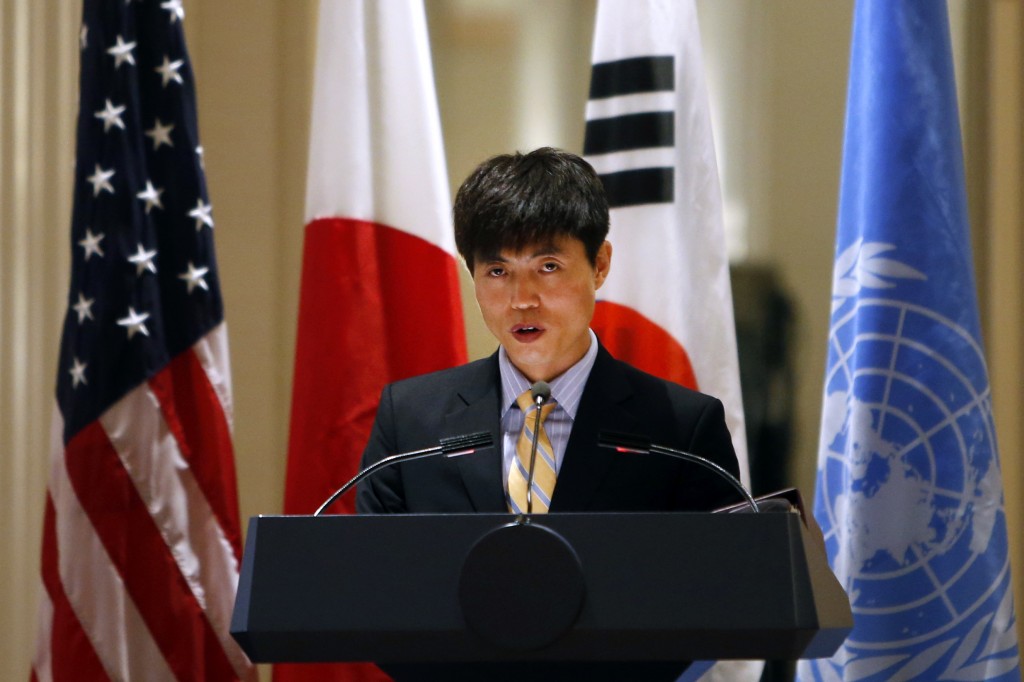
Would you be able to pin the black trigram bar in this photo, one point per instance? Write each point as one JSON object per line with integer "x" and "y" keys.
{"x": 632, "y": 76}
{"x": 640, "y": 186}
{"x": 631, "y": 131}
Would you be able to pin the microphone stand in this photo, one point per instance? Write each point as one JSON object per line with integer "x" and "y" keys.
{"x": 621, "y": 442}
{"x": 449, "y": 447}
{"x": 539, "y": 401}
{"x": 540, "y": 392}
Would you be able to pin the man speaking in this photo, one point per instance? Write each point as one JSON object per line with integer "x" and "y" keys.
{"x": 532, "y": 229}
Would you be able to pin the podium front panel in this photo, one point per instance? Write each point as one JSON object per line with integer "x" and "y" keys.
{"x": 657, "y": 587}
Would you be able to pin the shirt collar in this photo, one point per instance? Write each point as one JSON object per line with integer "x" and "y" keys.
{"x": 566, "y": 388}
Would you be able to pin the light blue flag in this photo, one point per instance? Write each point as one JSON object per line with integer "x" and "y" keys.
{"x": 909, "y": 491}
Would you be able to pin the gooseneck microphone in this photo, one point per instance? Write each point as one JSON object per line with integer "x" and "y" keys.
{"x": 454, "y": 446}
{"x": 541, "y": 393}
{"x": 628, "y": 443}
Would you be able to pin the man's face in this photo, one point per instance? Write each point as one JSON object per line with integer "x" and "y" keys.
{"x": 538, "y": 303}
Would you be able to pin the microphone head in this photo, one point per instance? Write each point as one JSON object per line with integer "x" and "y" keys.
{"x": 540, "y": 392}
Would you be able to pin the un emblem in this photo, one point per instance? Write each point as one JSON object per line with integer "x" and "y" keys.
{"x": 909, "y": 489}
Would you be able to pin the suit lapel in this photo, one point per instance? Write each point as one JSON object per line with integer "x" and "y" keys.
{"x": 604, "y": 406}
{"x": 478, "y": 408}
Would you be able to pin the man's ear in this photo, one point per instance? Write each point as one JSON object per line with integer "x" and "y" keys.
{"x": 602, "y": 264}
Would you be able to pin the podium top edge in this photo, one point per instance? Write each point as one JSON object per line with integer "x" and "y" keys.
{"x": 538, "y": 517}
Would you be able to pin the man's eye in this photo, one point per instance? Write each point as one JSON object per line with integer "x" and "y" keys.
{"x": 496, "y": 272}
{"x": 550, "y": 267}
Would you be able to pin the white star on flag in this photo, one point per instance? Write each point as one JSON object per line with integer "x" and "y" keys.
{"x": 91, "y": 243}
{"x": 143, "y": 261}
{"x": 84, "y": 307}
{"x": 151, "y": 195}
{"x": 111, "y": 116}
{"x": 161, "y": 134}
{"x": 202, "y": 214}
{"x": 194, "y": 277}
{"x": 175, "y": 8}
{"x": 202, "y": 159}
{"x": 122, "y": 52}
{"x": 77, "y": 373}
{"x": 100, "y": 180}
{"x": 169, "y": 70}
{"x": 134, "y": 322}
{"x": 83, "y": 37}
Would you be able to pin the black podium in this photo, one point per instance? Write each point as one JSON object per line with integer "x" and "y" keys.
{"x": 611, "y": 587}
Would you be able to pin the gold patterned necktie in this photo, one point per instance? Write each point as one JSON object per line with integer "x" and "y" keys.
{"x": 544, "y": 467}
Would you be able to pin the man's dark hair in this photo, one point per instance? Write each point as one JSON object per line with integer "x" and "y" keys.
{"x": 516, "y": 200}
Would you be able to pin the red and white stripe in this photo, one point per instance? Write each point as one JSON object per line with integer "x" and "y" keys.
{"x": 141, "y": 543}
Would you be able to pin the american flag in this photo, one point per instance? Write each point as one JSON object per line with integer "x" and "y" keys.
{"x": 141, "y": 541}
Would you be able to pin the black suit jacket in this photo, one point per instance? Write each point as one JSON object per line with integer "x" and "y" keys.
{"x": 418, "y": 412}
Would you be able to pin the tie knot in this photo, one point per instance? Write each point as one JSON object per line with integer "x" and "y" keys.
{"x": 526, "y": 404}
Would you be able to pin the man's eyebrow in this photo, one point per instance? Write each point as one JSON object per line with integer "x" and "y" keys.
{"x": 547, "y": 251}
{"x": 543, "y": 250}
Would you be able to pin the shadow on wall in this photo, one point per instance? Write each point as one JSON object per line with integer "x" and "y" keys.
{"x": 764, "y": 339}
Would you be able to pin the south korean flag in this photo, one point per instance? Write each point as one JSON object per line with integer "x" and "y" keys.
{"x": 667, "y": 305}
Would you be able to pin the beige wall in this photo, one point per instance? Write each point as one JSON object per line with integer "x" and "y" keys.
{"x": 510, "y": 74}
{"x": 253, "y": 63}
{"x": 997, "y": 42}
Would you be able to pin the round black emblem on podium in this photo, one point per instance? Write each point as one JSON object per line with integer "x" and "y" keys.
{"x": 521, "y": 587}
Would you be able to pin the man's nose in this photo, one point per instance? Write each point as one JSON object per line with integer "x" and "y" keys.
{"x": 525, "y": 293}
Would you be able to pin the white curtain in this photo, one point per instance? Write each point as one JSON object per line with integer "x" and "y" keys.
{"x": 38, "y": 108}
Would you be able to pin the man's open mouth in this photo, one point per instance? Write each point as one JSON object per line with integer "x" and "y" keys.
{"x": 524, "y": 330}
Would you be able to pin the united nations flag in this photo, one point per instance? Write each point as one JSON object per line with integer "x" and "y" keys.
{"x": 909, "y": 490}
